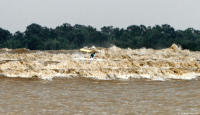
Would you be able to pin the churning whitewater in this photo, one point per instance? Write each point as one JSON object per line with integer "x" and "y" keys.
{"x": 109, "y": 64}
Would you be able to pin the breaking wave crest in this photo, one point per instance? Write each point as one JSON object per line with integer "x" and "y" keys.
{"x": 109, "y": 64}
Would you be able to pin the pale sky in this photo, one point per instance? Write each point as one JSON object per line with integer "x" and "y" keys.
{"x": 17, "y": 14}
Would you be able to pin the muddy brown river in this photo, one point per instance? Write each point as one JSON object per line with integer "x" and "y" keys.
{"x": 94, "y": 97}
{"x": 116, "y": 82}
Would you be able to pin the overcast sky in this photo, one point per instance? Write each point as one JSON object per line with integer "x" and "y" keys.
{"x": 17, "y": 14}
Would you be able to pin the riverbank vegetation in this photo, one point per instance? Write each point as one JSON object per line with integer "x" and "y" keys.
{"x": 66, "y": 36}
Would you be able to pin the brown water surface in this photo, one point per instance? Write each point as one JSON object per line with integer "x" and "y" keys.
{"x": 93, "y": 97}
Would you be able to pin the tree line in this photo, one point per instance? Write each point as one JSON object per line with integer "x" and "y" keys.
{"x": 66, "y": 36}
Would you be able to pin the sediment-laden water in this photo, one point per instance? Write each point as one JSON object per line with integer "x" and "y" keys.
{"x": 117, "y": 81}
{"x": 97, "y": 97}
{"x": 109, "y": 64}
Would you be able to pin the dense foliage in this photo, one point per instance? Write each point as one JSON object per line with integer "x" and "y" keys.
{"x": 66, "y": 36}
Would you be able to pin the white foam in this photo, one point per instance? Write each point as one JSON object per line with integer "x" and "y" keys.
{"x": 109, "y": 64}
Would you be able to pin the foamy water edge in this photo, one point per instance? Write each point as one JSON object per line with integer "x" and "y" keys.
{"x": 110, "y": 64}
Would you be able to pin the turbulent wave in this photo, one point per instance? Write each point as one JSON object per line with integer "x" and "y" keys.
{"x": 109, "y": 64}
